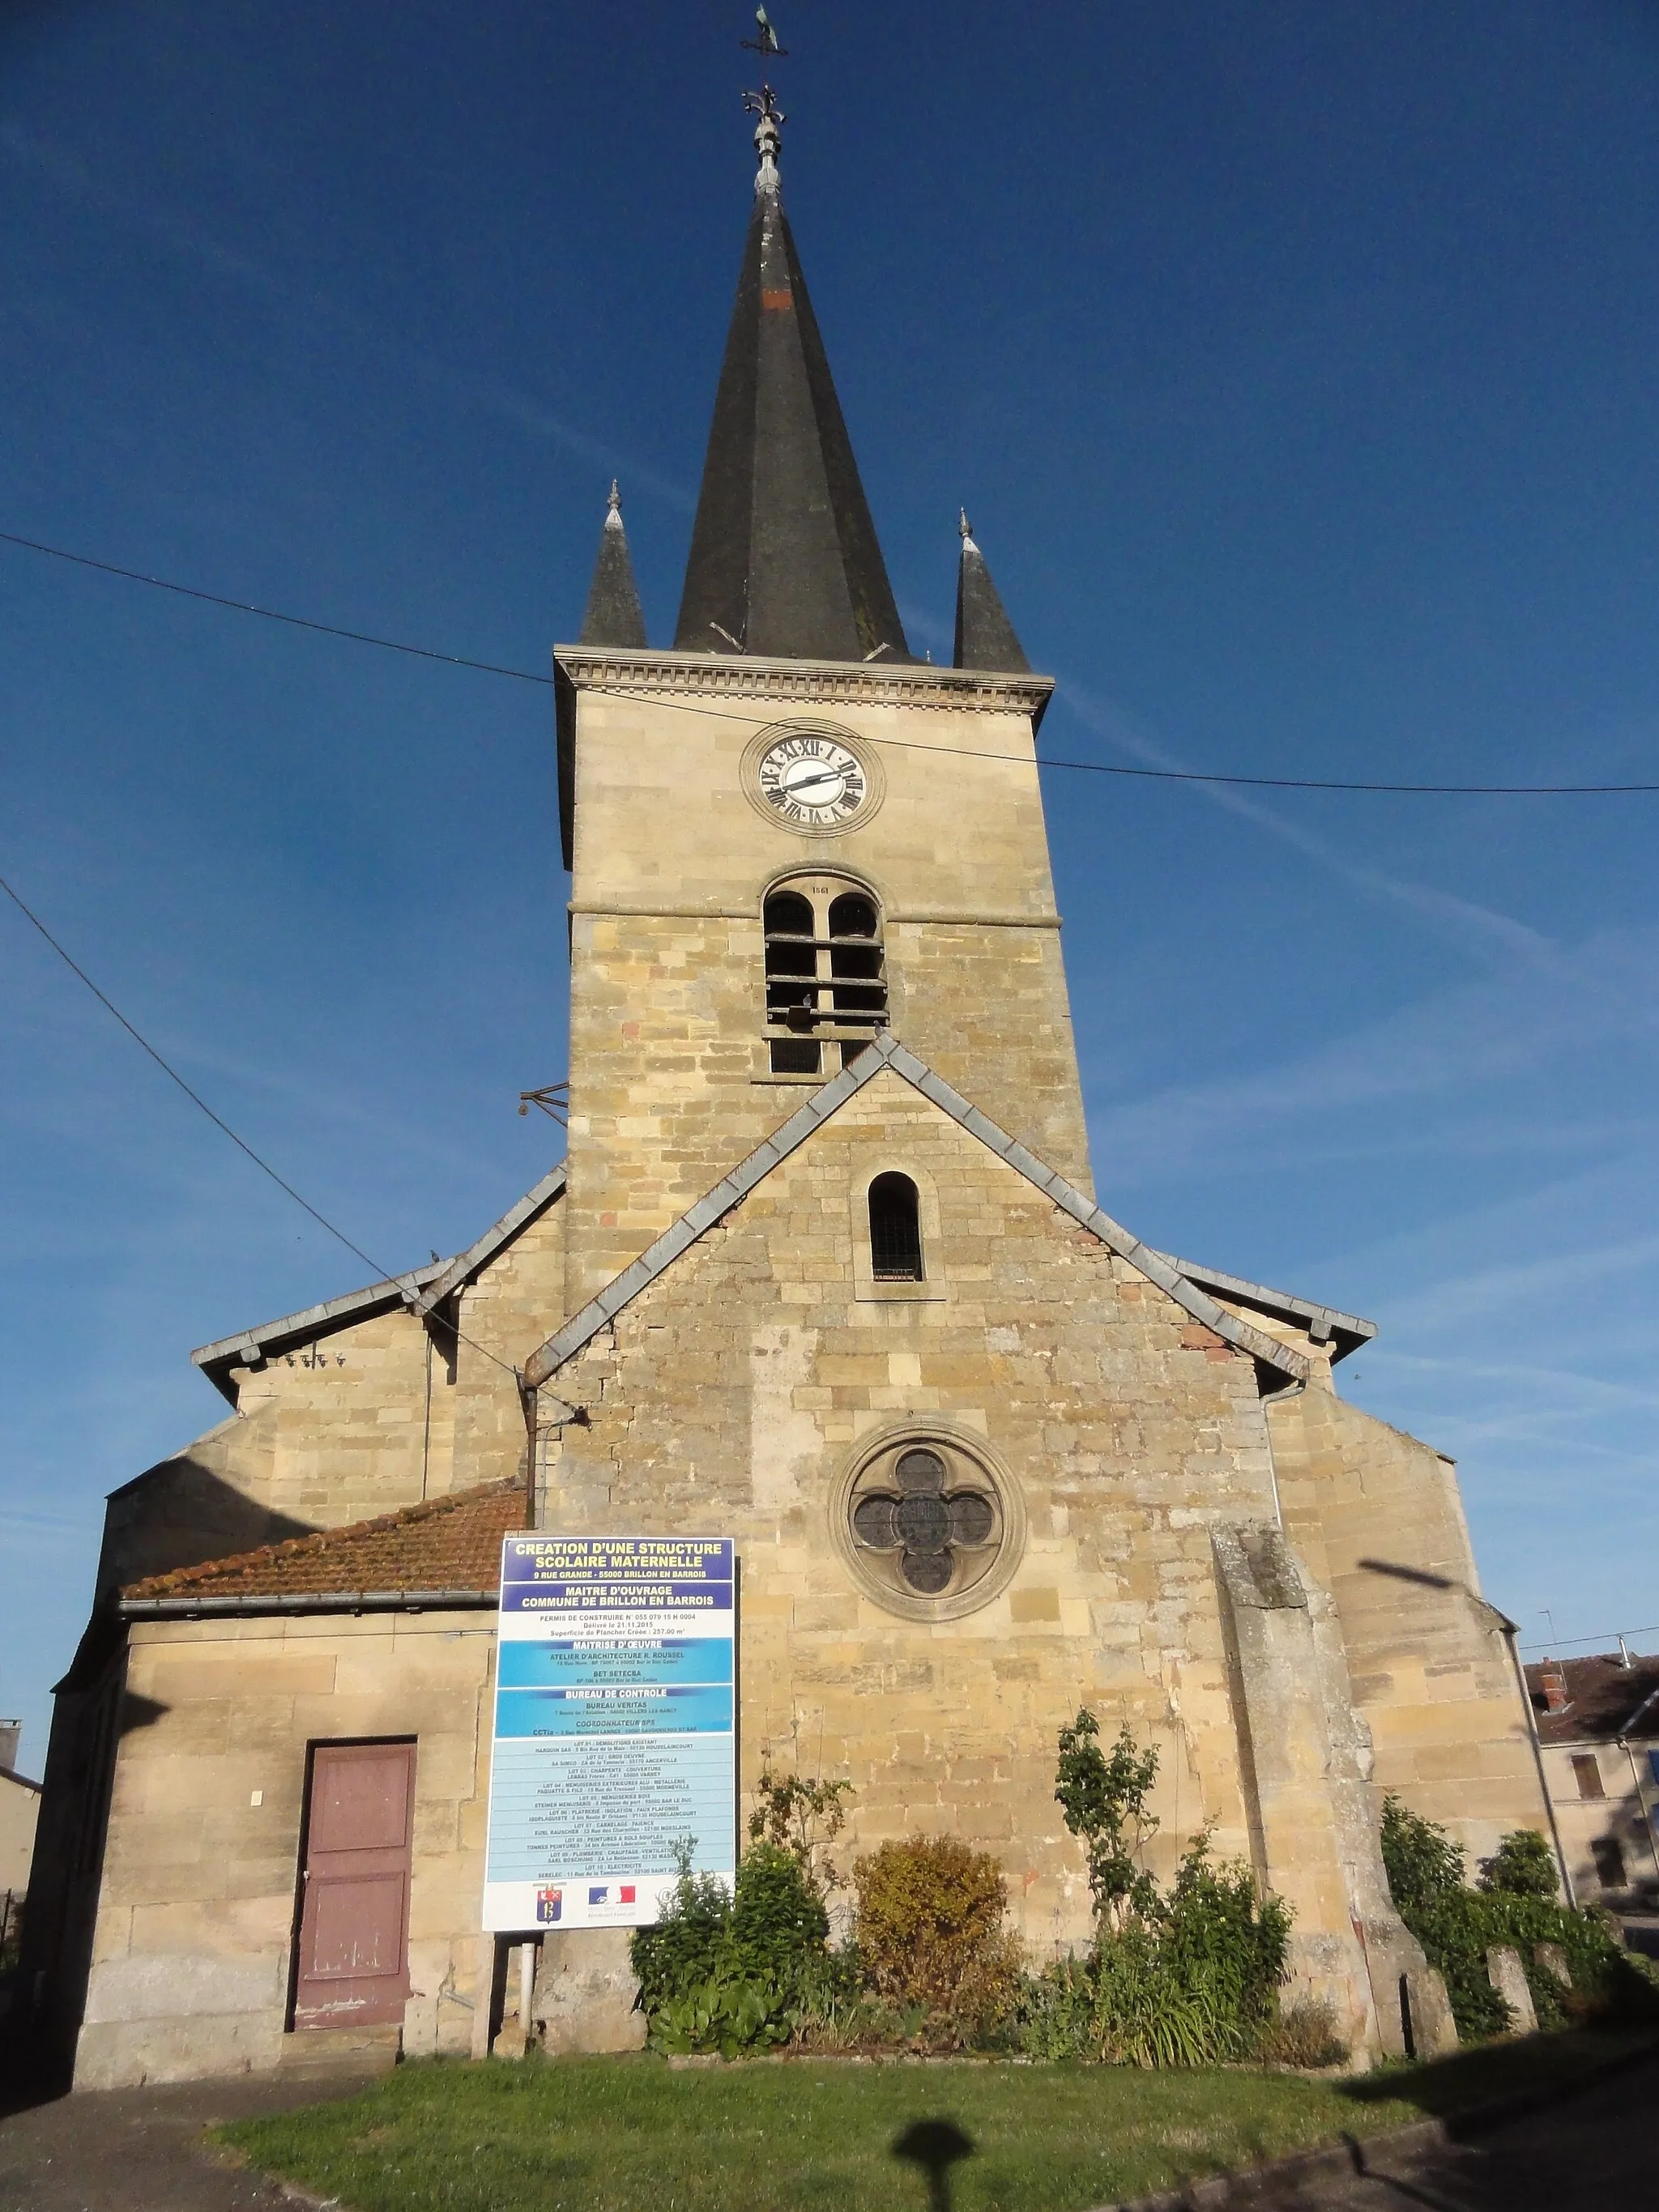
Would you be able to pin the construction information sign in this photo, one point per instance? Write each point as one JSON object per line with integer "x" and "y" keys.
{"x": 614, "y": 1726}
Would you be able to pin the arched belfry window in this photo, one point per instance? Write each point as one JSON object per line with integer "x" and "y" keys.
{"x": 895, "y": 1229}
{"x": 826, "y": 983}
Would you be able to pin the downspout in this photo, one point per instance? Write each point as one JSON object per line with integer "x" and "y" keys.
{"x": 1642, "y": 1805}
{"x": 1510, "y": 1633}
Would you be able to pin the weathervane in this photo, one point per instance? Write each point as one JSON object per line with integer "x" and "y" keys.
{"x": 763, "y": 105}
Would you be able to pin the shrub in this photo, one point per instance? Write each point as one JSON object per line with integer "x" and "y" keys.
{"x": 1187, "y": 1980}
{"x": 928, "y": 1933}
{"x": 796, "y": 1813}
{"x": 1457, "y": 1926}
{"x": 1305, "y": 2034}
{"x": 730, "y": 1970}
{"x": 1523, "y": 1865}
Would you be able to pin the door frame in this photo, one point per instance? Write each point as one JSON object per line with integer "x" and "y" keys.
{"x": 313, "y": 1744}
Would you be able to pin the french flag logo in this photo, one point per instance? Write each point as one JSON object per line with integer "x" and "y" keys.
{"x": 628, "y": 1894}
{"x": 600, "y": 1894}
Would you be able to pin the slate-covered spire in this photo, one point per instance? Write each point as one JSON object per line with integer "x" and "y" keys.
{"x": 784, "y": 557}
{"x": 614, "y": 615}
{"x": 985, "y": 636}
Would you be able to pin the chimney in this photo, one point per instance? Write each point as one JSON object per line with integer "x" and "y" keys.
{"x": 11, "y": 1734}
{"x": 1556, "y": 1699}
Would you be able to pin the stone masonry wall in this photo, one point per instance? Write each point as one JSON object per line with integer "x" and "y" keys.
{"x": 1378, "y": 1518}
{"x": 369, "y": 1418}
{"x": 671, "y": 1086}
{"x": 195, "y": 1922}
{"x": 728, "y": 1395}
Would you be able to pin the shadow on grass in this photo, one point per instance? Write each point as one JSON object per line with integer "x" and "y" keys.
{"x": 1497, "y": 2073}
{"x": 935, "y": 2146}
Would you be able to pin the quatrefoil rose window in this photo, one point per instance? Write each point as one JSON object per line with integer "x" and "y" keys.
{"x": 929, "y": 1527}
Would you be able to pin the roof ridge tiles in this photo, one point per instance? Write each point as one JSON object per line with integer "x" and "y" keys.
{"x": 887, "y": 1052}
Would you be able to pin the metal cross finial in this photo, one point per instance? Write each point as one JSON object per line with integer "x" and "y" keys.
{"x": 614, "y": 501}
{"x": 967, "y": 527}
{"x": 763, "y": 105}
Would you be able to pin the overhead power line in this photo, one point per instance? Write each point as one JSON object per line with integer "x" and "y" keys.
{"x": 678, "y": 706}
{"x": 383, "y": 1274}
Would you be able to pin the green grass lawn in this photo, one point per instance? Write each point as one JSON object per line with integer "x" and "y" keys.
{"x": 633, "y": 2135}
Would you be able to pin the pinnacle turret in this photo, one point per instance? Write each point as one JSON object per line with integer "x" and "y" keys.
{"x": 614, "y": 615}
{"x": 985, "y": 636}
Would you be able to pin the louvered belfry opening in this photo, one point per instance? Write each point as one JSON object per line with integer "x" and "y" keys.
{"x": 826, "y": 983}
{"x": 895, "y": 1229}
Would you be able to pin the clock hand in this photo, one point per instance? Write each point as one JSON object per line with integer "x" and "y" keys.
{"x": 811, "y": 782}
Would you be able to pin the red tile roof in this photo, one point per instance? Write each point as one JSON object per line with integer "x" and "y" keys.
{"x": 452, "y": 1543}
{"x": 1605, "y": 1698}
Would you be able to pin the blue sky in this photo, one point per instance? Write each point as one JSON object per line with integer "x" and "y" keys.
{"x": 1297, "y": 363}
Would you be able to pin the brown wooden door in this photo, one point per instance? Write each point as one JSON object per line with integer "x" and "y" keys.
{"x": 354, "y": 1913}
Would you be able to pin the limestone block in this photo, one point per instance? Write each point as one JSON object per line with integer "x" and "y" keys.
{"x": 1509, "y": 1978}
{"x": 1426, "y": 2010}
{"x": 176, "y": 1985}
{"x": 1553, "y": 1960}
{"x": 585, "y": 1992}
{"x": 123, "y": 2055}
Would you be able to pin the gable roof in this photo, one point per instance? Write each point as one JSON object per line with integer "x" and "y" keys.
{"x": 422, "y": 1289}
{"x": 1343, "y": 1332}
{"x": 447, "y": 1551}
{"x": 1605, "y": 1699}
{"x": 887, "y": 1052}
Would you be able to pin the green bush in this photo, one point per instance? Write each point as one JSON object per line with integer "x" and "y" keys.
{"x": 1523, "y": 1865}
{"x": 731, "y": 1971}
{"x": 929, "y": 1936}
{"x": 1457, "y": 1926}
{"x": 1189, "y": 1978}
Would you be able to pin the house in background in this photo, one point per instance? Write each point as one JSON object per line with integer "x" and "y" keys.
{"x": 19, "y": 1801}
{"x": 1598, "y": 1732}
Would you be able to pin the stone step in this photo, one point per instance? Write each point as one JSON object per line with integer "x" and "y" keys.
{"x": 329, "y": 2051}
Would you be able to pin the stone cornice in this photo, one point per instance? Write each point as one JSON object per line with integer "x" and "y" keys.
{"x": 787, "y": 684}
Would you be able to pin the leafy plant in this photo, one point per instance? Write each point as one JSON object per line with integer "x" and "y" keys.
{"x": 727, "y": 2016}
{"x": 1103, "y": 1799}
{"x": 1457, "y": 1926}
{"x": 1187, "y": 1980}
{"x": 798, "y": 1813}
{"x": 1523, "y": 1865}
{"x": 730, "y": 1969}
{"x": 929, "y": 1932}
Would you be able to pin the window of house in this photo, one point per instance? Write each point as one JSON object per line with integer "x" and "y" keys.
{"x": 1587, "y": 1773}
{"x": 826, "y": 981}
{"x": 1609, "y": 1862}
{"x": 895, "y": 1229}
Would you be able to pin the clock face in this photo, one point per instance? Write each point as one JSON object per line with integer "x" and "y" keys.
{"x": 812, "y": 782}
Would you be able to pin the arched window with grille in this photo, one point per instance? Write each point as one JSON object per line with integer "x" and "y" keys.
{"x": 895, "y": 1229}
{"x": 826, "y": 983}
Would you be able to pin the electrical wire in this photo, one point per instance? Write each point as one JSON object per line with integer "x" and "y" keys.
{"x": 384, "y": 1274}
{"x": 680, "y": 706}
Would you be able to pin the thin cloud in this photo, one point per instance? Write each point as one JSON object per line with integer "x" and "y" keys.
{"x": 1476, "y": 927}
{"x": 185, "y": 237}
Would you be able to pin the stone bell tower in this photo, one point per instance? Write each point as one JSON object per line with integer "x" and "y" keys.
{"x": 787, "y": 834}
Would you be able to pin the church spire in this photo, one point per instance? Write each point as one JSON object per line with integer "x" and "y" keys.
{"x": 985, "y": 636}
{"x": 784, "y": 557}
{"x": 614, "y": 615}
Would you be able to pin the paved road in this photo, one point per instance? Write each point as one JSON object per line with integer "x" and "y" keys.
{"x": 140, "y": 2150}
{"x": 1594, "y": 2149}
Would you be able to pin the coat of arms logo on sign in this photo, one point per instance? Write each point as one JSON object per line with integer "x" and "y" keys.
{"x": 614, "y": 1737}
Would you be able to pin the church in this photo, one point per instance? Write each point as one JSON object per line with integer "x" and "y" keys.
{"x": 824, "y": 1272}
